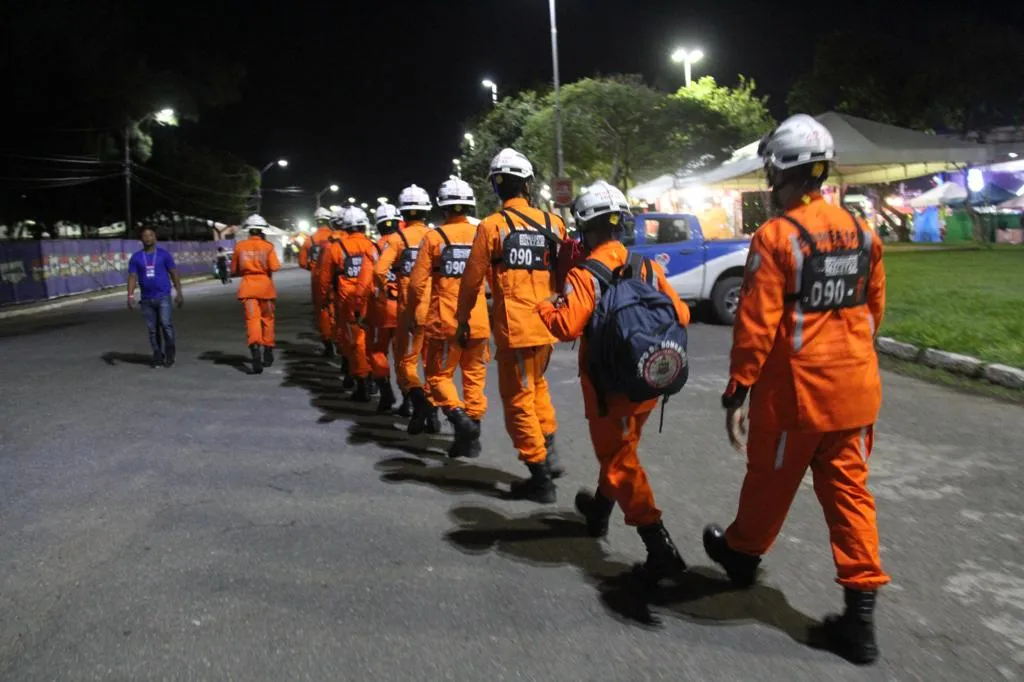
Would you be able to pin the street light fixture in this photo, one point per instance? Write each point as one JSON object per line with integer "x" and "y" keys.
{"x": 329, "y": 188}
{"x": 458, "y": 166}
{"x": 351, "y": 200}
{"x": 382, "y": 200}
{"x": 165, "y": 117}
{"x": 364, "y": 205}
{"x": 470, "y": 139}
{"x": 687, "y": 58}
{"x": 282, "y": 163}
{"x": 488, "y": 83}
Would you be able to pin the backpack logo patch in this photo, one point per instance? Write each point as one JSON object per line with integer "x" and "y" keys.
{"x": 661, "y": 365}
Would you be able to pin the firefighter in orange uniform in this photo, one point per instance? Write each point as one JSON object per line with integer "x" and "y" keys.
{"x": 615, "y": 430}
{"x": 432, "y": 298}
{"x": 347, "y": 266}
{"x": 382, "y": 315}
{"x": 803, "y": 348}
{"x": 517, "y": 247}
{"x": 399, "y": 254}
{"x": 309, "y": 255}
{"x": 255, "y": 261}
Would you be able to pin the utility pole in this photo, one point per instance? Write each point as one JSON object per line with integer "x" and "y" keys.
{"x": 558, "y": 102}
{"x": 128, "y": 179}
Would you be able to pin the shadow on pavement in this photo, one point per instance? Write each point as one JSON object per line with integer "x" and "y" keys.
{"x": 306, "y": 368}
{"x": 548, "y": 538}
{"x": 239, "y": 362}
{"x": 442, "y": 473}
{"x": 19, "y": 327}
{"x": 113, "y": 357}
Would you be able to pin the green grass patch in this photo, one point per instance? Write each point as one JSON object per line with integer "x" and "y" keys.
{"x": 969, "y": 302}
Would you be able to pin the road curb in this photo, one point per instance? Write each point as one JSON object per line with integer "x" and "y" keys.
{"x": 954, "y": 363}
{"x": 76, "y": 299}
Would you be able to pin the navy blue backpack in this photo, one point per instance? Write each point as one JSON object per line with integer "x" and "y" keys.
{"x": 636, "y": 345}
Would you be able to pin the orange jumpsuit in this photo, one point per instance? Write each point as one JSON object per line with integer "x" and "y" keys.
{"x": 347, "y": 268}
{"x": 521, "y": 276}
{"x": 382, "y": 318}
{"x": 399, "y": 252}
{"x": 308, "y": 259}
{"x": 432, "y": 296}
{"x": 615, "y": 435}
{"x": 254, "y": 261}
{"x": 816, "y": 390}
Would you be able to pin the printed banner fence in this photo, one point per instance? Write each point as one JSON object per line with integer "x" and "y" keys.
{"x": 39, "y": 270}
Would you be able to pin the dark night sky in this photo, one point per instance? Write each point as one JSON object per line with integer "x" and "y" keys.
{"x": 373, "y": 95}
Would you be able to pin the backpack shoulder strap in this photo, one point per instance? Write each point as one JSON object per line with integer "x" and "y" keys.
{"x": 856, "y": 226}
{"x": 377, "y": 246}
{"x": 447, "y": 242}
{"x": 402, "y": 237}
{"x": 804, "y": 234}
{"x": 543, "y": 229}
{"x": 641, "y": 268}
{"x": 599, "y": 270}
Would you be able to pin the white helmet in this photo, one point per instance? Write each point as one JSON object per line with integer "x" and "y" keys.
{"x": 255, "y": 222}
{"x": 414, "y": 198}
{"x": 797, "y": 141}
{"x": 386, "y": 212}
{"x": 337, "y": 218}
{"x": 322, "y": 215}
{"x": 599, "y": 199}
{"x": 511, "y": 162}
{"x": 353, "y": 218}
{"x": 455, "y": 192}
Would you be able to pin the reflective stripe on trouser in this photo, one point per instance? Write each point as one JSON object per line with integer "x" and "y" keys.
{"x": 378, "y": 340}
{"x": 443, "y": 357}
{"x": 622, "y": 478}
{"x": 408, "y": 358}
{"x": 259, "y": 321}
{"x": 776, "y": 463}
{"x": 323, "y": 318}
{"x": 355, "y": 344}
{"x": 529, "y": 413}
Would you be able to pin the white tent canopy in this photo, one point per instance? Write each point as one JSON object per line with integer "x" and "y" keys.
{"x": 1016, "y": 204}
{"x": 648, "y": 192}
{"x": 946, "y": 193}
{"x": 866, "y": 152}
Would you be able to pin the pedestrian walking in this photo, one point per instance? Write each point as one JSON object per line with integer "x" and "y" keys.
{"x": 153, "y": 271}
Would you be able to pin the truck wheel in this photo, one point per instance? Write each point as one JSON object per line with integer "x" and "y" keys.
{"x": 725, "y": 299}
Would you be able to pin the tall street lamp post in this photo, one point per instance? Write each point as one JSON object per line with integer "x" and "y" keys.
{"x": 166, "y": 117}
{"x": 281, "y": 163}
{"x": 329, "y": 188}
{"x": 687, "y": 58}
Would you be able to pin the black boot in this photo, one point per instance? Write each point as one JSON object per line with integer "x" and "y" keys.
{"x": 268, "y": 356}
{"x": 347, "y": 382}
{"x": 420, "y": 411}
{"x": 405, "y": 409}
{"x": 372, "y": 388}
{"x": 466, "y": 431}
{"x": 537, "y": 488}
{"x": 741, "y": 568}
{"x": 852, "y": 634}
{"x": 362, "y": 392}
{"x": 257, "y": 360}
{"x": 156, "y": 360}
{"x": 663, "y": 560}
{"x": 554, "y": 463}
{"x": 387, "y": 395}
{"x": 328, "y": 351}
{"x": 169, "y": 356}
{"x": 596, "y": 509}
{"x": 433, "y": 423}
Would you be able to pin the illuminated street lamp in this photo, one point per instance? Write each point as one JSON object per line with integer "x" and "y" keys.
{"x": 687, "y": 58}
{"x": 470, "y": 139}
{"x": 493, "y": 87}
{"x": 334, "y": 208}
{"x": 351, "y": 200}
{"x": 165, "y": 117}
{"x": 364, "y": 205}
{"x": 458, "y": 167}
{"x": 329, "y": 188}
{"x": 280, "y": 163}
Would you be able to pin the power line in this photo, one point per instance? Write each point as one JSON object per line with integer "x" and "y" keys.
{"x": 60, "y": 159}
{"x": 167, "y": 194}
{"x": 233, "y": 195}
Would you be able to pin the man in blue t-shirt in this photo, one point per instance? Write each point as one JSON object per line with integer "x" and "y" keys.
{"x": 153, "y": 270}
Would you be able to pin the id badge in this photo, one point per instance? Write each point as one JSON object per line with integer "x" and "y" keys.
{"x": 150, "y": 271}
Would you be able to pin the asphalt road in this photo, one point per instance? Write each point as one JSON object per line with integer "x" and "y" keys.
{"x": 200, "y": 523}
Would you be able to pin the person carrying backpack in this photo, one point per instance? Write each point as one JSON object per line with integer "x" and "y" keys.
{"x": 633, "y": 352}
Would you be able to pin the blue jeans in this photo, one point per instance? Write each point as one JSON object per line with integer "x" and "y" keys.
{"x": 157, "y": 312}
